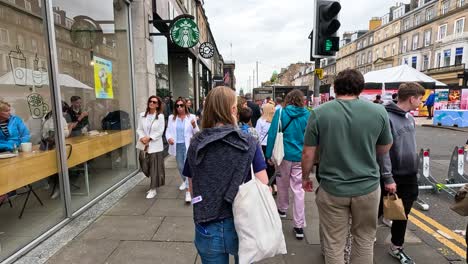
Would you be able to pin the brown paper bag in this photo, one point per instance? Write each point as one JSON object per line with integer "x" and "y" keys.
{"x": 461, "y": 202}
{"x": 393, "y": 208}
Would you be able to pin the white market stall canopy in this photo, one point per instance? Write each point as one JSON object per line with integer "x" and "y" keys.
{"x": 28, "y": 77}
{"x": 399, "y": 74}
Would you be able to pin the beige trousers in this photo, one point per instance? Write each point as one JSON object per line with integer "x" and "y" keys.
{"x": 334, "y": 213}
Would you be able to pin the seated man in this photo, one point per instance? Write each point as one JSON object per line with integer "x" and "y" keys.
{"x": 13, "y": 131}
{"x": 78, "y": 117}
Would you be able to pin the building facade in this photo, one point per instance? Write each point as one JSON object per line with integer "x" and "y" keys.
{"x": 429, "y": 35}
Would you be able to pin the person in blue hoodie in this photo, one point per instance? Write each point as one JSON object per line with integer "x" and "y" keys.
{"x": 294, "y": 121}
{"x": 430, "y": 104}
{"x": 13, "y": 131}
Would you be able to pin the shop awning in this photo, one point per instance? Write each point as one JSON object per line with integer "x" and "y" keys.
{"x": 28, "y": 77}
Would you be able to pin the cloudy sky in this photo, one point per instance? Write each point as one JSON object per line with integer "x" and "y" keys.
{"x": 275, "y": 32}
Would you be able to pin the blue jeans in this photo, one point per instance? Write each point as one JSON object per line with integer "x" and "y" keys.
{"x": 181, "y": 155}
{"x": 216, "y": 241}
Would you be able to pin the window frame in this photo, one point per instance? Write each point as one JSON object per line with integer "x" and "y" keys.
{"x": 439, "y": 31}
{"x": 425, "y": 37}
{"x": 455, "y": 26}
{"x": 415, "y": 40}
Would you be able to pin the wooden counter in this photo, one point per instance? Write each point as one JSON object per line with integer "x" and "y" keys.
{"x": 31, "y": 167}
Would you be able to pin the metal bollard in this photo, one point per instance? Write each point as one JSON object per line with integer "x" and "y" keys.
{"x": 456, "y": 172}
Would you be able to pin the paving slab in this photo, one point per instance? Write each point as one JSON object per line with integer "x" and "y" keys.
{"x": 304, "y": 254}
{"x": 168, "y": 192}
{"x": 170, "y": 207}
{"x": 176, "y": 229}
{"x": 123, "y": 228}
{"x": 138, "y": 191}
{"x": 150, "y": 252}
{"x": 131, "y": 206}
{"x": 85, "y": 252}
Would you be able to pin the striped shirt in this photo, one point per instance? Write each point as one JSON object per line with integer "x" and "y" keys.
{"x": 4, "y": 128}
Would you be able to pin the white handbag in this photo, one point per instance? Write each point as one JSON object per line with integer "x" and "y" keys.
{"x": 257, "y": 223}
{"x": 278, "y": 148}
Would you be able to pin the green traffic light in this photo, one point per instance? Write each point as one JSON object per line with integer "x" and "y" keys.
{"x": 328, "y": 45}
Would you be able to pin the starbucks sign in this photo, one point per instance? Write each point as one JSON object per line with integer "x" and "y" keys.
{"x": 184, "y": 33}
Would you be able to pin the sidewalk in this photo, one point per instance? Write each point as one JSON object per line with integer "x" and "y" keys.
{"x": 138, "y": 230}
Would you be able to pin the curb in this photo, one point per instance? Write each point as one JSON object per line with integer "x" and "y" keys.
{"x": 445, "y": 127}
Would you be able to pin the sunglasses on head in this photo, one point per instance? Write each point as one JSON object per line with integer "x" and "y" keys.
{"x": 179, "y": 105}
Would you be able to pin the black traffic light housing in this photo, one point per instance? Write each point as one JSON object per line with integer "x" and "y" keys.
{"x": 325, "y": 40}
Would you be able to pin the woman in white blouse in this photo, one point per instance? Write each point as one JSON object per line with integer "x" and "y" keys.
{"x": 263, "y": 125}
{"x": 181, "y": 126}
{"x": 150, "y": 131}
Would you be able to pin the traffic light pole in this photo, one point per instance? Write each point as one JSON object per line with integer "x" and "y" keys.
{"x": 316, "y": 84}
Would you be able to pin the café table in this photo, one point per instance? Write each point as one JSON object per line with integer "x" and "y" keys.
{"x": 27, "y": 168}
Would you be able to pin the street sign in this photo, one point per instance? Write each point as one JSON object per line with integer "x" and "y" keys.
{"x": 319, "y": 73}
{"x": 184, "y": 33}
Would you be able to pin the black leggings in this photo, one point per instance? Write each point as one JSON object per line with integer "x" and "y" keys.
{"x": 270, "y": 169}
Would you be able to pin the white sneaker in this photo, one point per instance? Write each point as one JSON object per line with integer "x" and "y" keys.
{"x": 188, "y": 197}
{"x": 183, "y": 186}
{"x": 387, "y": 222}
{"x": 151, "y": 194}
{"x": 56, "y": 194}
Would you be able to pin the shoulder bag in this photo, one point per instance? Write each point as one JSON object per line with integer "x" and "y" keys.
{"x": 257, "y": 222}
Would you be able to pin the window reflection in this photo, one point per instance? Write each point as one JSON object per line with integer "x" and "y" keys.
{"x": 92, "y": 39}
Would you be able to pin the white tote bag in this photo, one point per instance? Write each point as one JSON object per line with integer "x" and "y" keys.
{"x": 278, "y": 148}
{"x": 257, "y": 223}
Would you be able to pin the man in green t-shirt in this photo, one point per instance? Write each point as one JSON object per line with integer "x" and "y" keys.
{"x": 350, "y": 133}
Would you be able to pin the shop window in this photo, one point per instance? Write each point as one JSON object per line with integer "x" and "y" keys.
{"x": 101, "y": 99}
{"x": 447, "y": 57}
{"x": 458, "y": 56}
{"x": 26, "y": 93}
{"x": 161, "y": 62}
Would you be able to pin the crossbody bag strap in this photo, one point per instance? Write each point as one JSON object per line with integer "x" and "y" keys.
{"x": 279, "y": 121}
{"x": 284, "y": 129}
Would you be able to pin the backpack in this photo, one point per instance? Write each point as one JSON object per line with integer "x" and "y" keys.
{"x": 117, "y": 120}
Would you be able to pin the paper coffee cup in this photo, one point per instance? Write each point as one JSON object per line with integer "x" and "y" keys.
{"x": 26, "y": 147}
